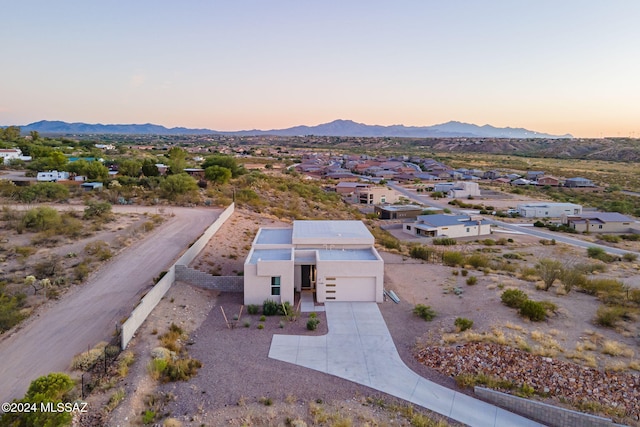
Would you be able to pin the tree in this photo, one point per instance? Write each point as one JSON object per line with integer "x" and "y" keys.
{"x": 41, "y": 218}
{"x": 56, "y": 160}
{"x": 177, "y": 160}
{"x": 175, "y": 185}
{"x": 35, "y": 135}
{"x": 130, "y": 167}
{"x": 549, "y": 270}
{"x": 217, "y": 174}
{"x": 96, "y": 171}
{"x": 52, "y": 388}
{"x": 149, "y": 168}
{"x": 225, "y": 162}
{"x": 571, "y": 277}
{"x": 10, "y": 133}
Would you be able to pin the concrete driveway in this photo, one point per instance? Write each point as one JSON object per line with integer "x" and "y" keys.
{"x": 359, "y": 348}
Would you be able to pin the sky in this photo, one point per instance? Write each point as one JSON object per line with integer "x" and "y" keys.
{"x": 569, "y": 66}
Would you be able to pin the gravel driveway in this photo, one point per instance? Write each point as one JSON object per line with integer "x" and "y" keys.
{"x": 89, "y": 314}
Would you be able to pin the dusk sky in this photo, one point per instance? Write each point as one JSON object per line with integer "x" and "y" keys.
{"x": 546, "y": 65}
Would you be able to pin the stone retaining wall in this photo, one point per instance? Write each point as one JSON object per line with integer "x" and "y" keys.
{"x": 208, "y": 281}
{"x": 553, "y": 416}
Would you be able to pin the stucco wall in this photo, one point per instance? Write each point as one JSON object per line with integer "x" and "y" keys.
{"x": 257, "y": 281}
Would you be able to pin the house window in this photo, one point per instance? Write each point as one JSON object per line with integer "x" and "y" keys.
{"x": 468, "y": 229}
{"x": 275, "y": 285}
{"x": 600, "y": 226}
{"x": 383, "y": 199}
{"x": 408, "y": 227}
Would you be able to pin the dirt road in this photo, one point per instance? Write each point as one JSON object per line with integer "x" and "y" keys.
{"x": 90, "y": 314}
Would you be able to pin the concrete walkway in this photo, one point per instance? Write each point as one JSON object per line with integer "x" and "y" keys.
{"x": 359, "y": 348}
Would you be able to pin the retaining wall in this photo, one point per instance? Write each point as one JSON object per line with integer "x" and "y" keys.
{"x": 153, "y": 297}
{"x": 553, "y": 416}
{"x": 209, "y": 281}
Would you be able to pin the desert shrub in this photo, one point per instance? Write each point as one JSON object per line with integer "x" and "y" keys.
{"x": 604, "y": 289}
{"x": 539, "y": 224}
{"x": 472, "y": 280}
{"x": 533, "y": 310}
{"x": 270, "y": 308}
{"x": 452, "y": 258}
{"x": 444, "y": 241}
{"x": 489, "y": 242}
{"x": 570, "y": 278}
{"x": 253, "y": 308}
{"x": 549, "y": 270}
{"x": 634, "y": 296}
{"x": 25, "y": 251}
{"x": 610, "y": 238}
{"x": 41, "y": 219}
{"x": 170, "y": 338}
{"x": 100, "y": 249}
{"x": 10, "y": 306}
{"x": 285, "y": 309}
{"x": 81, "y": 271}
{"x": 424, "y": 312}
{"x": 421, "y": 252}
{"x": 513, "y": 298}
{"x": 260, "y": 326}
{"x": 464, "y": 272}
{"x": 463, "y": 324}
{"x": 312, "y": 324}
{"x": 477, "y": 260}
{"x": 596, "y": 252}
{"x": 181, "y": 369}
{"x": 629, "y": 257}
{"x": 608, "y": 316}
{"x": 512, "y": 255}
{"x": 385, "y": 238}
{"x": 85, "y": 360}
{"x": 97, "y": 210}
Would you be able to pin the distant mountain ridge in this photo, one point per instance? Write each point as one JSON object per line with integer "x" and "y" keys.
{"x": 335, "y": 128}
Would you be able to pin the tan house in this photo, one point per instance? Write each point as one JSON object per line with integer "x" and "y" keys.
{"x": 336, "y": 260}
{"x": 373, "y": 195}
{"x": 600, "y": 222}
{"x": 444, "y": 225}
{"x": 548, "y": 180}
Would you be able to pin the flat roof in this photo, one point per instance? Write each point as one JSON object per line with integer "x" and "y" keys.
{"x": 270, "y": 255}
{"x": 314, "y": 229}
{"x": 440, "y": 220}
{"x": 401, "y": 208}
{"x": 274, "y": 236}
{"x": 347, "y": 255}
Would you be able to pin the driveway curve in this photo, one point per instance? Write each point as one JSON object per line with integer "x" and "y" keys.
{"x": 359, "y": 348}
{"x": 90, "y": 313}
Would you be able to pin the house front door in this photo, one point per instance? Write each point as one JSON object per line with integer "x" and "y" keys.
{"x": 308, "y": 276}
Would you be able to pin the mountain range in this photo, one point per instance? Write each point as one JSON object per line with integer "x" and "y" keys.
{"x": 345, "y": 128}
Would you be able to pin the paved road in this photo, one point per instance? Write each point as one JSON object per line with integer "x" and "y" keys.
{"x": 533, "y": 231}
{"x": 89, "y": 314}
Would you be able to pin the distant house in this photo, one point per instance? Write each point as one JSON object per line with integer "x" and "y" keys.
{"x": 91, "y": 186}
{"x": 548, "y": 210}
{"x": 534, "y": 175}
{"x": 521, "y": 181}
{"x": 578, "y": 182}
{"x": 348, "y": 187}
{"x": 492, "y": 174}
{"x": 52, "y": 176}
{"x": 9, "y": 154}
{"x": 447, "y": 226}
{"x": 398, "y": 211}
{"x": 197, "y": 173}
{"x": 336, "y": 260}
{"x": 600, "y": 222}
{"x": 549, "y": 180}
{"x": 459, "y": 189}
{"x": 373, "y": 195}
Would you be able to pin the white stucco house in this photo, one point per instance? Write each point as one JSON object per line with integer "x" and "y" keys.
{"x": 443, "y": 225}
{"x": 548, "y": 210}
{"x": 336, "y": 260}
{"x": 8, "y": 154}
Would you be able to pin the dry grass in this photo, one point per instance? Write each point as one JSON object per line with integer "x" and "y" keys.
{"x": 547, "y": 346}
{"x": 615, "y": 348}
{"x": 616, "y": 366}
{"x": 588, "y": 359}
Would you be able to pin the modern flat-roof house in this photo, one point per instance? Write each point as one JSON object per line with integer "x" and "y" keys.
{"x": 578, "y": 182}
{"x": 373, "y": 195}
{"x": 548, "y": 210}
{"x": 600, "y": 222}
{"x": 336, "y": 260}
{"x": 459, "y": 189}
{"x": 398, "y": 211}
{"x": 443, "y": 225}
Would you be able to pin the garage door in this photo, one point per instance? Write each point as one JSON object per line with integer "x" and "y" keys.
{"x": 351, "y": 289}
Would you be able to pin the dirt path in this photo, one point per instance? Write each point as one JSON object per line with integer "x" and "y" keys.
{"x": 89, "y": 315}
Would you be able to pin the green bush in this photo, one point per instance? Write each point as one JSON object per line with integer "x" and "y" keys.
{"x": 477, "y": 260}
{"x": 629, "y": 257}
{"x": 609, "y": 316}
{"x": 424, "y": 312}
{"x": 513, "y": 298}
{"x": 472, "y": 280}
{"x": 444, "y": 241}
{"x": 533, "y": 310}
{"x": 452, "y": 258}
{"x": 10, "y": 314}
{"x": 270, "y": 308}
{"x": 610, "y": 238}
{"x": 312, "y": 324}
{"x": 464, "y": 272}
{"x": 599, "y": 253}
{"x": 421, "y": 252}
{"x": 253, "y": 308}
{"x": 285, "y": 309}
{"x": 463, "y": 324}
